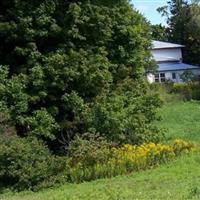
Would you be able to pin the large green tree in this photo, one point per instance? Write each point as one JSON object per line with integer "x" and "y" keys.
{"x": 66, "y": 66}
{"x": 159, "y": 32}
{"x": 183, "y": 18}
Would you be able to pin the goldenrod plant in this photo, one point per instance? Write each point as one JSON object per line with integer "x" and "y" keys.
{"x": 129, "y": 158}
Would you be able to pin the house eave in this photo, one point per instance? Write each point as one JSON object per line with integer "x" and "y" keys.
{"x": 161, "y": 48}
{"x": 176, "y": 70}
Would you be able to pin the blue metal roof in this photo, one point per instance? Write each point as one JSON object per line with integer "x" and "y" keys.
{"x": 175, "y": 66}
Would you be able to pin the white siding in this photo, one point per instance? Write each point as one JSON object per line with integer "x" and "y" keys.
{"x": 167, "y": 54}
{"x": 178, "y": 79}
{"x": 168, "y": 75}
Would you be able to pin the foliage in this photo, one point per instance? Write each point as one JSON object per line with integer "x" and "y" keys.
{"x": 188, "y": 76}
{"x": 181, "y": 146}
{"x": 175, "y": 92}
{"x": 164, "y": 91}
{"x": 159, "y": 32}
{"x": 189, "y": 90}
{"x": 146, "y": 155}
{"x": 126, "y": 115}
{"x": 177, "y": 15}
{"x": 128, "y": 158}
{"x": 183, "y": 18}
{"x": 177, "y": 180}
{"x": 25, "y": 163}
{"x": 6, "y": 127}
{"x": 64, "y": 63}
{"x": 89, "y": 150}
{"x": 68, "y": 68}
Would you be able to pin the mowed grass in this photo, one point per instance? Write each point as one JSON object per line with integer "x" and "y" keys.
{"x": 179, "y": 179}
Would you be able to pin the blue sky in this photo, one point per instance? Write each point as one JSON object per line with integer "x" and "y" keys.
{"x": 148, "y": 9}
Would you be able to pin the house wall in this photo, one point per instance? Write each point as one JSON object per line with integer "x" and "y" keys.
{"x": 167, "y": 54}
{"x": 168, "y": 75}
{"x": 178, "y": 76}
{"x": 178, "y": 79}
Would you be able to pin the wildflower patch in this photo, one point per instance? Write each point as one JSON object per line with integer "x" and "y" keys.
{"x": 129, "y": 158}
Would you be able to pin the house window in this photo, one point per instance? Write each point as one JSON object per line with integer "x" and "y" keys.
{"x": 160, "y": 77}
{"x": 173, "y": 75}
{"x": 157, "y": 78}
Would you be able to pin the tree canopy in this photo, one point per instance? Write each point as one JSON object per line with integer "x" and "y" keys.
{"x": 159, "y": 32}
{"x": 183, "y": 18}
{"x": 70, "y": 67}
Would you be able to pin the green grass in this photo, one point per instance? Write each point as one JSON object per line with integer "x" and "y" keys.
{"x": 179, "y": 179}
{"x": 181, "y": 120}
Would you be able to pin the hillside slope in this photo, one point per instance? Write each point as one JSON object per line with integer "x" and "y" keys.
{"x": 179, "y": 179}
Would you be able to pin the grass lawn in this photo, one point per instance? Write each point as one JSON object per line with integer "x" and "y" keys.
{"x": 179, "y": 179}
{"x": 181, "y": 120}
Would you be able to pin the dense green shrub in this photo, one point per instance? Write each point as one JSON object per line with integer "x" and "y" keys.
{"x": 189, "y": 90}
{"x": 170, "y": 91}
{"x": 164, "y": 91}
{"x": 126, "y": 114}
{"x": 89, "y": 150}
{"x": 63, "y": 64}
{"x": 67, "y": 68}
{"x": 6, "y": 127}
{"x": 25, "y": 163}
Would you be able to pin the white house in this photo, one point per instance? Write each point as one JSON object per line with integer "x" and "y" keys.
{"x": 169, "y": 59}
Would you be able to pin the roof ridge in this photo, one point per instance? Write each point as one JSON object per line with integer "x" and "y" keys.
{"x": 156, "y": 44}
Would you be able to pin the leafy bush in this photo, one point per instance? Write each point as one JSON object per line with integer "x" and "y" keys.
{"x": 129, "y": 158}
{"x": 89, "y": 149}
{"x": 189, "y": 90}
{"x": 25, "y": 163}
{"x": 69, "y": 67}
{"x": 58, "y": 65}
{"x": 6, "y": 127}
{"x": 164, "y": 91}
{"x": 126, "y": 114}
{"x": 170, "y": 91}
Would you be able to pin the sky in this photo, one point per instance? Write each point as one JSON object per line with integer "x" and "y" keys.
{"x": 148, "y": 9}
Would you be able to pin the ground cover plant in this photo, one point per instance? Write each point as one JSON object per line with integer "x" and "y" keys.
{"x": 27, "y": 164}
{"x": 189, "y": 90}
{"x": 178, "y": 179}
{"x": 92, "y": 164}
{"x": 176, "y": 92}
